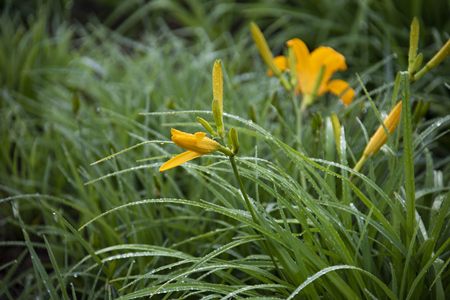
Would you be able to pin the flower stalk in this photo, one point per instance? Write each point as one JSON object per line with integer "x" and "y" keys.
{"x": 242, "y": 188}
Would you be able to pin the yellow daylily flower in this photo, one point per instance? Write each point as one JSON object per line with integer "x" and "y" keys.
{"x": 308, "y": 67}
{"x": 197, "y": 145}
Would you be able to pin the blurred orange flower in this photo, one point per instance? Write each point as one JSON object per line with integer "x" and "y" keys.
{"x": 308, "y": 66}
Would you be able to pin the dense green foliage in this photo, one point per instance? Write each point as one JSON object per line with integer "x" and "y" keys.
{"x": 73, "y": 86}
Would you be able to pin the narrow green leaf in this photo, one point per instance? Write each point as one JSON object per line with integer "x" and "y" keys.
{"x": 85, "y": 245}
{"x": 38, "y": 265}
{"x": 56, "y": 268}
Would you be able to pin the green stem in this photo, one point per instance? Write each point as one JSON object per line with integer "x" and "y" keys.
{"x": 242, "y": 188}
{"x": 252, "y": 212}
{"x": 419, "y": 74}
{"x": 360, "y": 163}
{"x": 285, "y": 83}
{"x": 298, "y": 126}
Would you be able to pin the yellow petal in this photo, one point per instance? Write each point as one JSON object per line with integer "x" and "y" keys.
{"x": 301, "y": 54}
{"x": 175, "y": 132}
{"x": 179, "y": 159}
{"x": 329, "y": 57}
{"x": 332, "y": 60}
{"x": 338, "y": 86}
{"x": 280, "y": 62}
{"x": 194, "y": 142}
{"x": 199, "y": 136}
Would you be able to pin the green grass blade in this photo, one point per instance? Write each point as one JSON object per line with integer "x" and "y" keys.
{"x": 56, "y": 268}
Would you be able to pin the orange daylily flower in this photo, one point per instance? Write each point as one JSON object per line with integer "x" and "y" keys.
{"x": 308, "y": 67}
{"x": 197, "y": 145}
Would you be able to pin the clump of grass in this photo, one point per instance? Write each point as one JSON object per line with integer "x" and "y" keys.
{"x": 122, "y": 229}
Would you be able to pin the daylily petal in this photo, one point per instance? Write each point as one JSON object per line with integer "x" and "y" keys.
{"x": 308, "y": 66}
{"x": 303, "y": 66}
{"x": 332, "y": 60}
{"x": 175, "y": 132}
{"x": 327, "y": 56}
{"x": 198, "y": 142}
{"x": 179, "y": 159}
{"x": 280, "y": 62}
{"x": 199, "y": 136}
{"x": 301, "y": 54}
{"x": 338, "y": 86}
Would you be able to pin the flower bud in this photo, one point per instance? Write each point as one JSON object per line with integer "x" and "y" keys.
{"x": 337, "y": 131}
{"x": 380, "y": 138}
{"x": 263, "y": 48}
{"x": 207, "y": 126}
{"x": 234, "y": 139}
{"x": 217, "y": 80}
{"x": 218, "y": 118}
{"x": 413, "y": 42}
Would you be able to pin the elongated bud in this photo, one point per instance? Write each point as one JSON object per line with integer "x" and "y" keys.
{"x": 229, "y": 142}
{"x": 440, "y": 56}
{"x": 207, "y": 126}
{"x": 413, "y": 42}
{"x": 217, "y": 80}
{"x": 417, "y": 63}
{"x": 380, "y": 137}
{"x": 435, "y": 61}
{"x": 263, "y": 48}
{"x": 234, "y": 139}
{"x": 337, "y": 131}
{"x": 218, "y": 118}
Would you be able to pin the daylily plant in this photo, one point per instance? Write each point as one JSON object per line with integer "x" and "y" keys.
{"x": 308, "y": 67}
{"x": 198, "y": 144}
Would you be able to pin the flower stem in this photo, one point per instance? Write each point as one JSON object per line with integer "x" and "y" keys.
{"x": 299, "y": 112}
{"x": 242, "y": 188}
{"x": 252, "y": 212}
{"x": 360, "y": 163}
